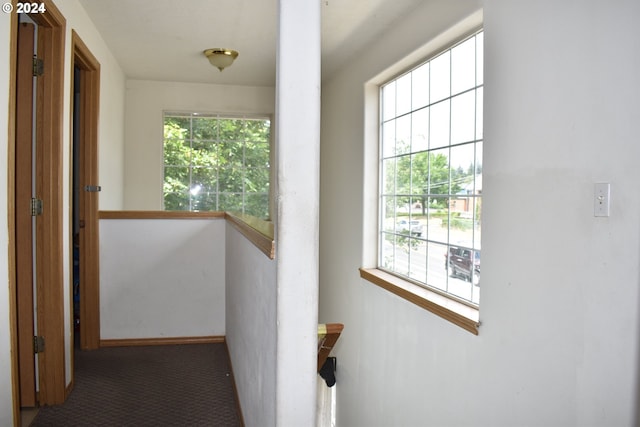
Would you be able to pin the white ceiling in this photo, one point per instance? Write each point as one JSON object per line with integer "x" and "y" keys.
{"x": 164, "y": 39}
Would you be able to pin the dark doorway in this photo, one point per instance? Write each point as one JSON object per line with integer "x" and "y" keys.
{"x": 86, "y": 91}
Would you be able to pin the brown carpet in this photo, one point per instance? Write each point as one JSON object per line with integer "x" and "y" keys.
{"x": 173, "y": 385}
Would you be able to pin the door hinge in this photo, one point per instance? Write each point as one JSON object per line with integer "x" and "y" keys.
{"x": 38, "y": 66}
{"x": 92, "y": 188}
{"x": 36, "y": 207}
{"x": 38, "y": 344}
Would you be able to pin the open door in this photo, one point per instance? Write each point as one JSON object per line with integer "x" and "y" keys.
{"x": 46, "y": 301}
{"x": 25, "y": 222}
{"x": 85, "y": 193}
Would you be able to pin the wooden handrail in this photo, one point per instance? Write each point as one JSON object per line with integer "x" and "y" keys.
{"x": 328, "y": 334}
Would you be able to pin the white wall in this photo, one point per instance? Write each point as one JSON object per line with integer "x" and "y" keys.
{"x": 162, "y": 278}
{"x": 145, "y": 103}
{"x": 559, "y": 340}
{"x": 6, "y": 402}
{"x": 111, "y": 119}
{"x": 298, "y": 180}
{"x": 251, "y": 300}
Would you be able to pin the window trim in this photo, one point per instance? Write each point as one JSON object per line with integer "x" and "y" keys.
{"x": 446, "y": 307}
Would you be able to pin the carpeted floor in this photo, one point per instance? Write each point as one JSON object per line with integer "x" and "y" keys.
{"x": 173, "y": 385}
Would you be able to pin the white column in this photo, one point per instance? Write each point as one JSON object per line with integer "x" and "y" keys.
{"x": 297, "y": 162}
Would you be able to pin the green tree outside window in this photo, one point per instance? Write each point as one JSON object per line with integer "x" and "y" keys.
{"x": 215, "y": 163}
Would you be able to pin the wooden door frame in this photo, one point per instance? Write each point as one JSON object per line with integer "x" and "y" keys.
{"x": 49, "y": 246}
{"x": 11, "y": 217}
{"x": 88, "y": 201}
{"x": 49, "y": 238}
{"x": 23, "y": 217}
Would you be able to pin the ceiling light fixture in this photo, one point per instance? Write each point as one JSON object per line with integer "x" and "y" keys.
{"x": 221, "y": 58}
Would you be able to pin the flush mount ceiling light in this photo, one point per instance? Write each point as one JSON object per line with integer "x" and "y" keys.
{"x": 221, "y": 58}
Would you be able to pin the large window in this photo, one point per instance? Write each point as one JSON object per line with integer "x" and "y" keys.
{"x": 431, "y": 141}
{"x": 216, "y": 163}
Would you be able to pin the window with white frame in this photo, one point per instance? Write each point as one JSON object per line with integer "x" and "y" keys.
{"x": 430, "y": 192}
{"x": 216, "y": 163}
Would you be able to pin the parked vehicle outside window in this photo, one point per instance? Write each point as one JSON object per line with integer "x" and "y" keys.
{"x": 413, "y": 226}
{"x": 464, "y": 262}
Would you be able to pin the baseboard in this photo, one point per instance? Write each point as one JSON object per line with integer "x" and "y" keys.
{"x": 235, "y": 389}
{"x": 161, "y": 341}
{"x": 68, "y": 389}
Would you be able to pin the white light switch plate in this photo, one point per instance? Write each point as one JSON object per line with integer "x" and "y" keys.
{"x": 601, "y": 199}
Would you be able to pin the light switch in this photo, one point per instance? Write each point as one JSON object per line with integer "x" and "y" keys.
{"x": 602, "y": 196}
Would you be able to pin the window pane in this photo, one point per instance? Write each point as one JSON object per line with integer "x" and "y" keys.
{"x": 462, "y": 167}
{"x": 230, "y": 180}
{"x": 420, "y": 173}
{"x": 403, "y": 95}
{"x": 203, "y": 201}
{"x": 476, "y": 206}
{"x": 388, "y": 213}
{"x": 438, "y": 219}
{"x": 479, "y": 149}
{"x": 257, "y": 131}
{"x": 480, "y": 113}
{"x": 176, "y": 179}
{"x": 257, "y": 154}
{"x": 439, "y": 172}
{"x": 461, "y": 221}
{"x": 176, "y": 201}
{"x": 230, "y": 129}
{"x": 420, "y": 87}
{"x": 204, "y": 154}
{"x": 388, "y": 138}
{"x": 480, "y": 59}
{"x": 230, "y": 202}
{"x": 463, "y": 118}
{"x": 176, "y": 152}
{"x": 417, "y": 213}
{"x": 437, "y": 264}
{"x": 463, "y": 67}
{"x": 231, "y": 154}
{"x": 203, "y": 179}
{"x": 257, "y": 205}
{"x": 403, "y": 175}
{"x": 256, "y": 180}
{"x": 177, "y": 127}
{"x": 389, "y": 101}
{"x": 420, "y": 130}
{"x": 387, "y": 253}
{"x": 459, "y": 284}
{"x": 205, "y": 128}
{"x": 403, "y": 134}
{"x": 440, "y": 85}
{"x": 417, "y": 254}
{"x": 389, "y": 176}
{"x": 439, "y": 125}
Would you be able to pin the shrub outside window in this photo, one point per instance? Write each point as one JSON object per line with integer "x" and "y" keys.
{"x": 216, "y": 163}
{"x": 431, "y": 141}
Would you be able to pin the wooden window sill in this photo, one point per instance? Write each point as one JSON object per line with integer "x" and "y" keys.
{"x": 455, "y": 312}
